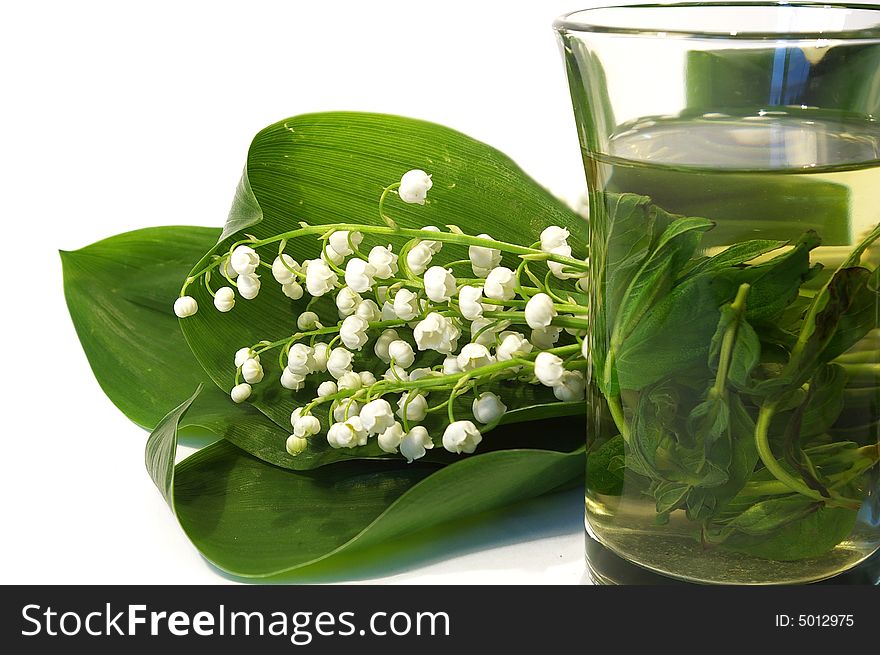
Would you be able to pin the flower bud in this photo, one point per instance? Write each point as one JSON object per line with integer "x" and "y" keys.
{"x": 185, "y": 306}
{"x": 224, "y": 299}
{"x": 401, "y": 353}
{"x": 295, "y": 445}
{"x": 488, "y": 408}
{"x": 252, "y": 371}
{"x": 540, "y": 310}
{"x": 381, "y": 347}
{"x": 414, "y": 186}
{"x": 308, "y": 321}
{"x": 240, "y": 392}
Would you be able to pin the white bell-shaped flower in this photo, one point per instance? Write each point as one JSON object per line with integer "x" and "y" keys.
{"x": 240, "y": 392}
{"x": 292, "y": 290}
{"x": 415, "y": 444}
{"x": 488, "y": 408}
{"x": 244, "y": 354}
{"x": 291, "y": 380}
{"x": 483, "y": 259}
{"x": 342, "y": 240}
{"x": 437, "y": 332}
{"x": 320, "y": 353}
{"x": 359, "y": 275}
{"x": 345, "y": 406}
{"x": 320, "y": 278}
{"x": 295, "y": 445}
{"x": 284, "y": 269}
{"x": 347, "y": 301}
{"x": 367, "y": 378}
{"x": 513, "y": 344}
{"x": 414, "y": 186}
{"x": 474, "y": 355}
{"x": 450, "y": 365}
{"x": 499, "y": 284}
{"x": 347, "y": 434}
{"x": 381, "y": 347}
{"x": 308, "y": 321}
{"x": 248, "y": 285}
{"x": 390, "y": 440}
{"x": 244, "y": 260}
{"x": 470, "y": 302}
{"x": 419, "y": 258}
{"x": 368, "y": 310}
{"x": 384, "y": 261}
{"x": 339, "y": 362}
{"x": 353, "y": 332}
{"x": 540, "y": 310}
{"x": 301, "y": 359}
{"x": 401, "y": 353}
{"x": 327, "y": 388}
{"x": 252, "y": 371}
{"x": 435, "y": 246}
{"x": 553, "y": 237}
{"x": 439, "y": 284}
{"x": 377, "y": 416}
{"x": 349, "y": 381}
{"x": 406, "y": 305}
{"x": 571, "y": 386}
{"x": 545, "y": 338}
{"x": 548, "y": 369}
{"x": 185, "y": 306}
{"x": 461, "y": 437}
{"x": 412, "y": 406}
{"x": 224, "y": 299}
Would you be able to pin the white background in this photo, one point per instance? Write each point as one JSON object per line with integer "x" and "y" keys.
{"x": 120, "y": 115}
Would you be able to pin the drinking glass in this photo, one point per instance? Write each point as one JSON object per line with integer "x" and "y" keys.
{"x": 732, "y": 154}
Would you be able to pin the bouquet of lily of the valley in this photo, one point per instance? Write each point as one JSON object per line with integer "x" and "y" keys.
{"x": 371, "y": 360}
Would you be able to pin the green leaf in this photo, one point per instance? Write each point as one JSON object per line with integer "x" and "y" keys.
{"x": 788, "y": 529}
{"x": 737, "y": 254}
{"x": 253, "y": 519}
{"x": 606, "y": 466}
{"x": 120, "y": 293}
{"x": 332, "y": 167}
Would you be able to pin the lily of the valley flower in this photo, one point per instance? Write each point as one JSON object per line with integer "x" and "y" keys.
{"x": 469, "y": 302}
{"x": 544, "y": 338}
{"x": 368, "y": 310}
{"x": 367, "y": 378}
{"x": 488, "y": 408}
{"x": 347, "y": 301}
{"x": 295, "y": 445}
{"x": 327, "y": 388}
{"x": 500, "y": 284}
{"x": 434, "y": 246}
{"x": 571, "y": 386}
{"x": 301, "y": 359}
{"x": 461, "y": 437}
{"x": 248, "y": 285}
{"x": 483, "y": 259}
{"x": 436, "y": 332}
{"x": 252, "y": 371}
{"x": 308, "y": 321}
{"x": 540, "y": 310}
{"x": 414, "y": 408}
{"x": 406, "y": 305}
{"x": 320, "y": 278}
{"x": 383, "y": 342}
{"x": 224, "y": 299}
{"x": 342, "y": 240}
{"x": 244, "y": 260}
{"x": 185, "y": 306}
{"x": 474, "y": 355}
{"x": 283, "y": 269}
{"x": 548, "y": 369}
{"x": 244, "y": 354}
{"x": 292, "y": 290}
{"x": 320, "y": 353}
{"x": 419, "y": 257}
{"x": 401, "y": 353}
{"x": 353, "y": 332}
{"x": 450, "y": 365}
{"x": 415, "y": 443}
{"x": 414, "y": 186}
{"x": 390, "y": 440}
{"x": 359, "y": 275}
{"x": 350, "y": 407}
{"x": 291, "y": 380}
{"x": 349, "y": 381}
{"x": 240, "y": 392}
{"x": 383, "y": 261}
{"x": 339, "y": 362}
{"x": 513, "y": 344}
{"x": 439, "y": 284}
{"x": 347, "y": 434}
{"x": 376, "y": 416}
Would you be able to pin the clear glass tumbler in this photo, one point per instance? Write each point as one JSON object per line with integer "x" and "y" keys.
{"x": 732, "y": 153}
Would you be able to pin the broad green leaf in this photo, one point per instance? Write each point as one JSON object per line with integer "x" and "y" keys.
{"x": 324, "y": 168}
{"x": 253, "y": 519}
{"x": 120, "y": 293}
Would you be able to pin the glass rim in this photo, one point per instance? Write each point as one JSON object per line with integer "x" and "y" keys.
{"x": 577, "y": 21}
